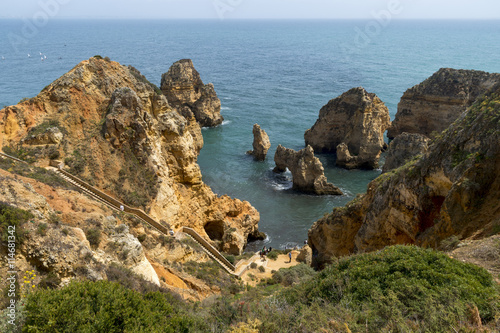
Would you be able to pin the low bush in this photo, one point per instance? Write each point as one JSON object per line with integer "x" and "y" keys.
{"x": 273, "y": 255}
{"x": 294, "y": 275}
{"x": 14, "y": 218}
{"x": 93, "y": 236}
{"x": 42, "y": 229}
{"x": 231, "y": 258}
{"x": 106, "y": 307}
{"x": 402, "y": 288}
{"x": 49, "y": 281}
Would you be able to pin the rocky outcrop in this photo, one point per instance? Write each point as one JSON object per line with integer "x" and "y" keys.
{"x": 186, "y": 92}
{"x": 72, "y": 236}
{"x": 261, "y": 143}
{"x": 404, "y": 148}
{"x": 433, "y": 105}
{"x": 454, "y": 189}
{"x": 356, "y": 121}
{"x": 305, "y": 255}
{"x": 122, "y": 136}
{"x": 307, "y": 170}
{"x": 52, "y": 135}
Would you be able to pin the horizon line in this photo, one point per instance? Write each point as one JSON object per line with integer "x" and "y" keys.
{"x": 252, "y": 19}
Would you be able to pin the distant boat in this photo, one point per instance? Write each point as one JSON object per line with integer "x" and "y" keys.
{"x": 44, "y": 57}
{"x": 29, "y": 55}
{"x": 3, "y": 58}
{"x": 41, "y": 59}
{"x": 41, "y": 53}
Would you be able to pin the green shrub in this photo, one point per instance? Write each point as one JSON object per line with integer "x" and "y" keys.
{"x": 210, "y": 272}
{"x": 43, "y": 127}
{"x": 294, "y": 275}
{"x": 49, "y": 281}
{"x": 143, "y": 178}
{"x": 231, "y": 259}
{"x": 54, "y": 218}
{"x": 97, "y": 56}
{"x": 495, "y": 230}
{"x": 93, "y": 236}
{"x": 76, "y": 162}
{"x": 450, "y": 243}
{"x": 142, "y": 237}
{"x": 400, "y": 288}
{"x": 106, "y": 307}
{"x": 253, "y": 265}
{"x": 42, "y": 229}
{"x": 262, "y": 269}
{"x": 273, "y": 255}
{"x": 13, "y": 217}
{"x": 45, "y": 176}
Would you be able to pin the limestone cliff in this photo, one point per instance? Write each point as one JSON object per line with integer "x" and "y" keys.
{"x": 307, "y": 170}
{"x": 404, "y": 148}
{"x": 453, "y": 189}
{"x": 433, "y": 105}
{"x": 353, "y": 126}
{"x": 70, "y": 235}
{"x": 186, "y": 92}
{"x": 118, "y": 132}
{"x": 261, "y": 143}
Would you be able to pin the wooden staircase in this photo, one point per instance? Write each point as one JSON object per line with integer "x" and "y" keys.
{"x": 116, "y": 205}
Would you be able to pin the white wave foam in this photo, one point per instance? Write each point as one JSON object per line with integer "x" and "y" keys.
{"x": 225, "y": 108}
{"x": 225, "y": 122}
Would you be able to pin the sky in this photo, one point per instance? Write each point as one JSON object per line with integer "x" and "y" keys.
{"x": 251, "y": 9}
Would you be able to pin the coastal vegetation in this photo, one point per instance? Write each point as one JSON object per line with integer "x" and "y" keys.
{"x": 397, "y": 289}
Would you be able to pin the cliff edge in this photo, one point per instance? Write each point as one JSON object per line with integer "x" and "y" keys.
{"x": 453, "y": 189}
{"x": 433, "y": 105}
{"x": 117, "y": 131}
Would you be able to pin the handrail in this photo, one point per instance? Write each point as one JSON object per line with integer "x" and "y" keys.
{"x": 137, "y": 212}
{"x": 208, "y": 246}
{"x": 13, "y": 158}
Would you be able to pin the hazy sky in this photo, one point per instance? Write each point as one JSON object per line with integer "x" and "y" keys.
{"x": 247, "y": 9}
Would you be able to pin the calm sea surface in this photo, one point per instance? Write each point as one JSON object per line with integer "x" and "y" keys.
{"x": 275, "y": 73}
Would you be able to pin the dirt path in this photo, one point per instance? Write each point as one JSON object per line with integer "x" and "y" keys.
{"x": 255, "y": 275}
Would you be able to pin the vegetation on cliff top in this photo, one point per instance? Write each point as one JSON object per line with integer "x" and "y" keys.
{"x": 11, "y": 221}
{"x": 398, "y": 289}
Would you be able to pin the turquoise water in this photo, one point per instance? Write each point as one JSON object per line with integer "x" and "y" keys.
{"x": 275, "y": 73}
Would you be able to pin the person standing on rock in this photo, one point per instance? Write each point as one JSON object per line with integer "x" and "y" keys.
{"x": 290, "y": 256}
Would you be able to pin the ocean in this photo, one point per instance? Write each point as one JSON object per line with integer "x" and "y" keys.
{"x": 274, "y": 73}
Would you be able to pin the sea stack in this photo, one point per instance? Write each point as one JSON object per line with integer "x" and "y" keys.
{"x": 433, "y": 105}
{"x": 261, "y": 143}
{"x": 351, "y": 125}
{"x": 185, "y": 91}
{"x": 307, "y": 170}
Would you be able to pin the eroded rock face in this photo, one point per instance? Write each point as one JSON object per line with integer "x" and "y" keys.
{"x": 403, "y": 148}
{"x": 186, "y": 92}
{"x": 261, "y": 143}
{"x": 307, "y": 170}
{"x": 52, "y": 135}
{"x": 356, "y": 121}
{"x": 433, "y": 105}
{"x": 124, "y": 137}
{"x": 305, "y": 255}
{"x": 454, "y": 189}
